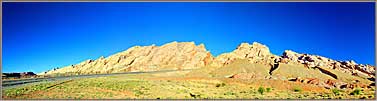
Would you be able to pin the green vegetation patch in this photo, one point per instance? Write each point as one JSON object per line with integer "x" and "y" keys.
{"x": 336, "y": 91}
{"x": 357, "y": 91}
{"x": 261, "y": 90}
{"x": 297, "y": 89}
{"x": 268, "y": 89}
{"x": 220, "y": 85}
{"x": 12, "y": 92}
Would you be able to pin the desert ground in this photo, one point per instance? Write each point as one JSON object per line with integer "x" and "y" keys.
{"x": 178, "y": 85}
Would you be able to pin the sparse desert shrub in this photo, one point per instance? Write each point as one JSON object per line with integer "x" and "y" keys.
{"x": 336, "y": 91}
{"x": 242, "y": 91}
{"x": 193, "y": 95}
{"x": 325, "y": 95}
{"x": 357, "y": 91}
{"x": 138, "y": 93}
{"x": 261, "y": 90}
{"x": 229, "y": 93}
{"x": 297, "y": 89}
{"x": 268, "y": 89}
{"x": 220, "y": 85}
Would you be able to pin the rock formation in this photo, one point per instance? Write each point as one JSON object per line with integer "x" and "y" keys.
{"x": 329, "y": 84}
{"x": 174, "y": 55}
{"x": 314, "y": 61}
{"x": 255, "y": 53}
{"x": 187, "y": 55}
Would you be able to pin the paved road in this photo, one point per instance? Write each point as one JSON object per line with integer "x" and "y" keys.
{"x": 14, "y": 83}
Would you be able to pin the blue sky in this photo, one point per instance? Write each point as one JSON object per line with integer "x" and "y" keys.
{"x": 41, "y": 36}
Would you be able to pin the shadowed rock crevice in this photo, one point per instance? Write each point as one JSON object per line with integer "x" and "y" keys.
{"x": 132, "y": 62}
{"x": 324, "y": 71}
{"x": 274, "y": 67}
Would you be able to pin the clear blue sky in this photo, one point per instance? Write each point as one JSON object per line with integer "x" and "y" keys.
{"x": 41, "y": 36}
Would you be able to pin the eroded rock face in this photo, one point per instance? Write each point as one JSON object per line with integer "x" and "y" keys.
{"x": 329, "y": 83}
{"x": 314, "y": 81}
{"x": 255, "y": 53}
{"x": 174, "y": 55}
{"x": 310, "y": 61}
{"x": 187, "y": 55}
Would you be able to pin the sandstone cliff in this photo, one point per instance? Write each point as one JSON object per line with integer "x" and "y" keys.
{"x": 187, "y": 55}
{"x": 174, "y": 55}
{"x": 254, "y": 53}
{"x": 314, "y": 61}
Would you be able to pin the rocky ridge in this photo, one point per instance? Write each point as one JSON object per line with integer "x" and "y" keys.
{"x": 312, "y": 61}
{"x": 255, "y": 53}
{"x": 260, "y": 54}
{"x": 187, "y": 55}
{"x": 174, "y": 55}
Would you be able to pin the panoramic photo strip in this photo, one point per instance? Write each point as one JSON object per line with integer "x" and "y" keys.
{"x": 188, "y": 50}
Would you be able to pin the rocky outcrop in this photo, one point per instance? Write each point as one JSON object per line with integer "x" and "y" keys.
{"x": 327, "y": 72}
{"x": 314, "y": 81}
{"x": 329, "y": 83}
{"x": 187, "y": 55}
{"x": 255, "y": 53}
{"x": 174, "y": 55}
{"x": 319, "y": 70}
{"x": 314, "y": 61}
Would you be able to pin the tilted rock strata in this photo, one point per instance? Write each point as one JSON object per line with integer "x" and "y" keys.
{"x": 187, "y": 55}
{"x": 349, "y": 67}
{"x": 329, "y": 84}
{"x": 183, "y": 55}
{"x": 260, "y": 54}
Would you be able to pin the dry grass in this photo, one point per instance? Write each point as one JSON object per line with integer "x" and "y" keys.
{"x": 150, "y": 86}
{"x": 205, "y": 83}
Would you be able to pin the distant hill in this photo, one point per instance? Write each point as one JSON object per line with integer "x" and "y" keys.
{"x": 18, "y": 75}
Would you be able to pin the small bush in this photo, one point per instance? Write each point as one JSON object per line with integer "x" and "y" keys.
{"x": 220, "y": 85}
{"x": 242, "y": 91}
{"x": 138, "y": 93}
{"x": 229, "y": 93}
{"x": 357, "y": 91}
{"x": 268, "y": 89}
{"x": 193, "y": 95}
{"x": 297, "y": 89}
{"x": 261, "y": 90}
{"x": 336, "y": 91}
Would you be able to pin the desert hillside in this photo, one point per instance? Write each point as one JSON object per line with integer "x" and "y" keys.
{"x": 174, "y": 55}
